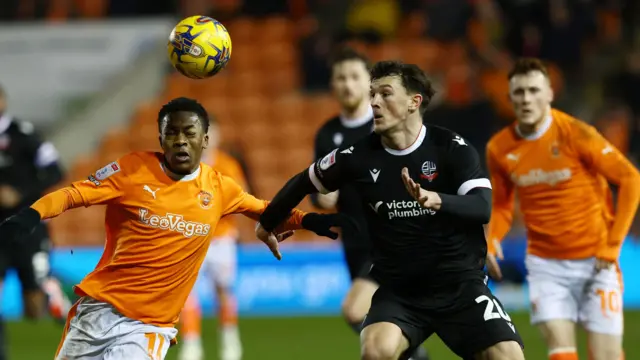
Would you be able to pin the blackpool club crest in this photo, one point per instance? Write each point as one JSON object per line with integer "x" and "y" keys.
{"x": 205, "y": 199}
{"x": 429, "y": 171}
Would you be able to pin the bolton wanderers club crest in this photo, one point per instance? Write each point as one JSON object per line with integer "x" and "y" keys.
{"x": 206, "y": 199}
{"x": 429, "y": 171}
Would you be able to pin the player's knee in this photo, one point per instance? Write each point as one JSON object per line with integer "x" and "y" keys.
{"x": 603, "y": 347}
{"x": 558, "y": 333}
{"x": 358, "y": 301}
{"x": 378, "y": 351}
{"x": 382, "y": 341}
{"x": 505, "y": 350}
{"x": 352, "y": 312}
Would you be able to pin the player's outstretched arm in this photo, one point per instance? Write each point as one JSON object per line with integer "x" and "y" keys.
{"x": 290, "y": 219}
{"x": 503, "y": 200}
{"x": 597, "y": 153}
{"x": 100, "y": 188}
{"x": 51, "y": 205}
{"x": 324, "y": 176}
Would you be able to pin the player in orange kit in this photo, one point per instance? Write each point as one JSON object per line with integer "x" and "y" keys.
{"x": 560, "y": 168}
{"x": 162, "y": 210}
{"x": 220, "y": 265}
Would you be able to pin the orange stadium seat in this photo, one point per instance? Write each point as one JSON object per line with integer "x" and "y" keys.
{"x": 413, "y": 26}
{"x": 114, "y": 145}
{"x": 279, "y": 82}
{"x": 244, "y": 57}
{"x": 279, "y": 55}
{"x": 384, "y": 51}
{"x": 242, "y": 30}
{"x": 275, "y": 29}
{"x": 424, "y": 53}
{"x": 247, "y": 83}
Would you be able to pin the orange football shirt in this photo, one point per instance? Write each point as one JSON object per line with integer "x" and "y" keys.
{"x": 158, "y": 231}
{"x": 227, "y": 165}
{"x": 561, "y": 176}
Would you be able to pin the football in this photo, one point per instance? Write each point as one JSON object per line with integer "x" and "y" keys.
{"x": 199, "y": 47}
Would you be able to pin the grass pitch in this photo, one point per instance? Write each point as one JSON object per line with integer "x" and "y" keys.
{"x": 308, "y": 338}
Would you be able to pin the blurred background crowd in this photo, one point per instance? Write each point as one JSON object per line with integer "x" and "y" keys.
{"x": 92, "y": 74}
{"x": 277, "y": 81}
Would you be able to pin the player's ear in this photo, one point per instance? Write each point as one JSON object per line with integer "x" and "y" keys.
{"x": 416, "y": 101}
{"x": 205, "y": 143}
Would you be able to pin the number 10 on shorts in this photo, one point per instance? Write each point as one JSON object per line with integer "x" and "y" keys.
{"x": 492, "y": 304}
{"x": 609, "y": 301}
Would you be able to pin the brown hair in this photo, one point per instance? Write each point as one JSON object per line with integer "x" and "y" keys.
{"x": 526, "y": 65}
{"x": 347, "y": 53}
{"x": 413, "y": 79}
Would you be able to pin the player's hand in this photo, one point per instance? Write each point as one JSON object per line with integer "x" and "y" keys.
{"x": 321, "y": 224}
{"x": 603, "y": 264}
{"x": 19, "y": 225}
{"x": 328, "y": 201}
{"x": 426, "y": 199}
{"x": 9, "y": 197}
{"x": 272, "y": 240}
{"x": 492, "y": 261}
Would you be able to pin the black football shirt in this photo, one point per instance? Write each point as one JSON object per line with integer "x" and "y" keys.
{"x": 338, "y": 132}
{"x": 414, "y": 249}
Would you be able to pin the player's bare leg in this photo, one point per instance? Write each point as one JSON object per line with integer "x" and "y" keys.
{"x": 560, "y": 337}
{"x": 382, "y": 341}
{"x": 58, "y": 302}
{"x": 605, "y": 346}
{"x": 505, "y": 350}
{"x": 34, "y": 304}
{"x": 230, "y": 344}
{"x": 358, "y": 301}
{"x": 191, "y": 329}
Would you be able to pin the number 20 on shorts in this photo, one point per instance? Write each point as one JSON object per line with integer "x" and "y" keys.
{"x": 155, "y": 343}
{"x": 609, "y": 301}
{"x": 489, "y": 314}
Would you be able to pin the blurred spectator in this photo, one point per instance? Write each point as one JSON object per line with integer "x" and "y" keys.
{"x": 624, "y": 85}
{"x": 372, "y": 19}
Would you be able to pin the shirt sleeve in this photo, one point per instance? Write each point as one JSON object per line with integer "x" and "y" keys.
{"x": 105, "y": 186}
{"x": 503, "y": 200}
{"x": 601, "y": 156}
{"x": 467, "y": 170}
{"x": 238, "y": 201}
{"x": 333, "y": 170}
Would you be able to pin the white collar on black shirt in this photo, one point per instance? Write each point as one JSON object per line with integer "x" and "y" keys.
{"x": 416, "y": 144}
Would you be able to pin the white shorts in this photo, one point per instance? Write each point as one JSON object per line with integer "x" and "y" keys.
{"x": 573, "y": 290}
{"x": 220, "y": 263}
{"x": 98, "y": 331}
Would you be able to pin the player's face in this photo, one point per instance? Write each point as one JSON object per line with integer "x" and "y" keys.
{"x": 531, "y": 96}
{"x": 391, "y": 103}
{"x": 183, "y": 138}
{"x": 350, "y": 83}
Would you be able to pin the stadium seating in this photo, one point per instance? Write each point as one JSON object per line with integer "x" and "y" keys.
{"x": 260, "y": 108}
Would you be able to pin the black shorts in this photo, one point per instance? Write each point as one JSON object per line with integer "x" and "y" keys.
{"x": 30, "y": 258}
{"x": 476, "y": 322}
{"x": 358, "y": 262}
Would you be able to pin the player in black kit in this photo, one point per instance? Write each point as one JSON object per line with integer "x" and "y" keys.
{"x": 350, "y": 84}
{"x": 428, "y": 236}
{"x": 28, "y": 166}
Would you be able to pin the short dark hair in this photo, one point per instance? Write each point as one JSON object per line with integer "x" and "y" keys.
{"x": 347, "y": 53}
{"x": 184, "y": 104}
{"x": 412, "y": 77}
{"x": 526, "y": 65}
